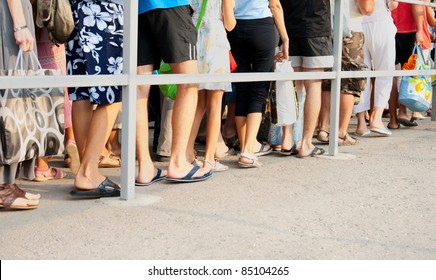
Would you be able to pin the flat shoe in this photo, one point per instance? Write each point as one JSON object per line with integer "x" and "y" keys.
{"x": 188, "y": 178}
{"x": 155, "y": 179}
{"x": 109, "y": 160}
{"x": 407, "y": 122}
{"x": 315, "y": 152}
{"x": 217, "y": 167}
{"x": 262, "y": 151}
{"x": 381, "y": 130}
{"x": 346, "y": 141}
{"x": 392, "y": 127}
{"x": 366, "y": 133}
{"x": 254, "y": 161}
{"x": 323, "y": 136}
{"x": 291, "y": 152}
{"x": 107, "y": 188}
{"x": 51, "y": 173}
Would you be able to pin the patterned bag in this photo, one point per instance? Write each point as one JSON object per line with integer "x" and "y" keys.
{"x": 31, "y": 120}
{"x": 415, "y": 91}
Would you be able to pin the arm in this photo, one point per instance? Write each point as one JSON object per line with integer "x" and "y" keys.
{"x": 279, "y": 20}
{"x": 418, "y": 15}
{"x": 392, "y": 5}
{"x": 23, "y": 37}
{"x": 430, "y": 17}
{"x": 228, "y": 14}
{"x": 366, "y": 7}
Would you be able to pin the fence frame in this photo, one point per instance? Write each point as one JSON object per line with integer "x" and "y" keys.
{"x": 129, "y": 80}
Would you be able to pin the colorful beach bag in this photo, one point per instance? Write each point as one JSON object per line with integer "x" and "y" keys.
{"x": 416, "y": 91}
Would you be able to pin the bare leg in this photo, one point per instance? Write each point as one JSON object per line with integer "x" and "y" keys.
{"x": 241, "y": 128}
{"x": 146, "y": 170}
{"x": 214, "y": 100}
{"x": 103, "y": 118}
{"x": 346, "y": 109}
{"x": 183, "y": 118}
{"x": 312, "y": 107}
{"x": 287, "y": 139}
{"x": 199, "y": 113}
{"x": 82, "y": 112}
{"x": 393, "y": 102}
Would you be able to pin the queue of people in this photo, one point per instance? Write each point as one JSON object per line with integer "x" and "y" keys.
{"x": 378, "y": 35}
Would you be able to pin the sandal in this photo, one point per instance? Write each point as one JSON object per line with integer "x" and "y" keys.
{"x": 347, "y": 140}
{"x": 73, "y": 154}
{"x": 323, "y": 136}
{"x": 51, "y": 173}
{"x": 109, "y": 160}
{"x": 12, "y": 197}
{"x": 217, "y": 167}
{"x": 254, "y": 161}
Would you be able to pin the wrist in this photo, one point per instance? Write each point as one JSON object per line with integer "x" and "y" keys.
{"x": 20, "y": 28}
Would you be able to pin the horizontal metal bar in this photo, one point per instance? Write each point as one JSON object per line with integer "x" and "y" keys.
{"x": 122, "y": 80}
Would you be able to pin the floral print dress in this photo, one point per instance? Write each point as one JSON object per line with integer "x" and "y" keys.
{"x": 96, "y": 48}
{"x": 212, "y": 44}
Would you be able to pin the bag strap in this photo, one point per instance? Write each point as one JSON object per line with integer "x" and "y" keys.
{"x": 33, "y": 59}
{"x": 200, "y": 17}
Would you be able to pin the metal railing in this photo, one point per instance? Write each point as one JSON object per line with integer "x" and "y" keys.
{"x": 129, "y": 80}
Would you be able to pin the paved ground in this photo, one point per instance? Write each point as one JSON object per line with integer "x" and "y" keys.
{"x": 379, "y": 205}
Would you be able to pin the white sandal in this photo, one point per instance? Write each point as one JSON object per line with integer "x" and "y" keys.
{"x": 217, "y": 167}
{"x": 255, "y": 162}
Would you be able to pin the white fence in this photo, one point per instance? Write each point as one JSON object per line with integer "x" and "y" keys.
{"x": 129, "y": 80}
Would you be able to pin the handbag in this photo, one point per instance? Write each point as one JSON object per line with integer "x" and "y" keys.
{"x": 415, "y": 91}
{"x": 31, "y": 120}
{"x": 285, "y": 95}
{"x": 170, "y": 90}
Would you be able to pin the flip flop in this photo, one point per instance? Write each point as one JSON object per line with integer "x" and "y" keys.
{"x": 291, "y": 152}
{"x": 366, "y": 133}
{"x": 392, "y": 127}
{"x": 262, "y": 151}
{"x": 107, "y": 188}
{"x": 155, "y": 179}
{"x": 381, "y": 130}
{"x": 188, "y": 178}
{"x": 407, "y": 122}
{"x": 315, "y": 152}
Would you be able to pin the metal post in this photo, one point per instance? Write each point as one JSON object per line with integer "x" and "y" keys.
{"x": 336, "y": 83}
{"x": 128, "y": 147}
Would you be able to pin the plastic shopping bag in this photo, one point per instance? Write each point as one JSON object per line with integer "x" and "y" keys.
{"x": 285, "y": 95}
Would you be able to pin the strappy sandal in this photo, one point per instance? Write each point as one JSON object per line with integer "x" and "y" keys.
{"x": 323, "y": 136}
{"x": 51, "y": 173}
{"x": 345, "y": 141}
{"x": 109, "y": 160}
{"x": 254, "y": 161}
{"x": 12, "y": 197}
{"x": 217, "y": 166}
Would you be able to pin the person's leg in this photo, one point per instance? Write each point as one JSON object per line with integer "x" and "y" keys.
{"x": 345, "y": 111}
{"x": 324, "y": 117}
{"x": 183, "y": 118}
{"x": 146, "y": 170}
{"x": 287, "y": 139}
{"x": 199, "y": 113}
{"x": 312, "y": 107}
{"x": 165, "y": 135}
{"x": 88, "y": 177}
{"x": 82, "y": 112}
{"x": 393, "y": 101}
{"x": 214, "y": 100}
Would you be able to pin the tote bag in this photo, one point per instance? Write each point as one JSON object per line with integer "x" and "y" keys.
{"x": 31, "y": 120}
{"x": 416, "y": 91}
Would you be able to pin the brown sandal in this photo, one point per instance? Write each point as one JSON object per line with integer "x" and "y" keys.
{"x": 109, "y": 160}
{"x": 12, "y": 197}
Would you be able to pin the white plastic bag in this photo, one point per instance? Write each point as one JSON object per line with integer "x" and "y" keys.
{"x": 285, "y": 95}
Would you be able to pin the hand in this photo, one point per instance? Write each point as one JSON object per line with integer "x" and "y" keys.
{"x": 419, "y": 37}
{"x": 24, "y": 39}
{"x": 283, "y": 54}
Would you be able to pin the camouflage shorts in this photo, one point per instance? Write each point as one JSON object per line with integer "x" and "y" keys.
{"x": 352, "y": 60}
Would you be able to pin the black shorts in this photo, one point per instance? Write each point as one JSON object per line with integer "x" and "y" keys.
{"x": 404, "y": 44}
{"x": 167, "y": 34}
{"x": 314, "y": 52}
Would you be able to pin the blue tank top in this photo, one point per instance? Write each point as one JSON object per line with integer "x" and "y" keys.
{"x": 148, "y": 5}
{"x": 252, "y": 9}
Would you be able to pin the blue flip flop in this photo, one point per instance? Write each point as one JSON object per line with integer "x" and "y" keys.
{"x": 107, "y": 188}
{"x": 188, "y": 178}
{"x": 155, "y": 179}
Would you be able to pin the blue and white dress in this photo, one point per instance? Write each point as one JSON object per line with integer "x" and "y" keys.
{"x": 96, "y": 48}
